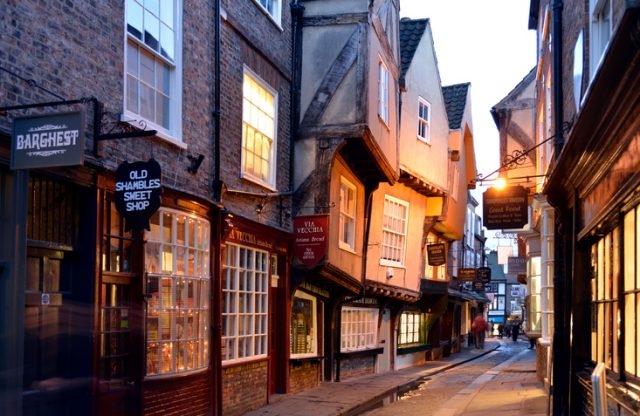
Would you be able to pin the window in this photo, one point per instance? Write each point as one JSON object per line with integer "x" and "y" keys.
{"x": 600, "y": 11}
{"x": 258, "y": 131}
{"x": 631, "y": 313}
{"x": 359, "y": 328}
{"x": 436, "y": 272}
{"x": 177, "y": 290}
{"x": 424, "y": 120}
{"x": 546, "y": 289}
{"x": 272, "y": 7}
{"x": 347, "y": 214}
{"x": 410, "y": 328}
{"x": 383, "y": 92}
{"x": 394, "y": 230}
{"x": 304, "y": 341}
{"x": 153, "y": 65}
{"x": 245, "y": 297}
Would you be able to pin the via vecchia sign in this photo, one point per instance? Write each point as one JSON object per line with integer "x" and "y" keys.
{"x": 137, "y": 195}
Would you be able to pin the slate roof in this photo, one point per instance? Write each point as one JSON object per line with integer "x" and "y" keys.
{"x": 411, "y": 31}
{"x": 455, "y": 99}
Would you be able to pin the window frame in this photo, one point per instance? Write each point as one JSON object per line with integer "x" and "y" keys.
{"x": 597, "y": 44}
{"x": 270, "y": 183}
{"x": 354, "y": 337}
{"x": 201, "y": 289}
{"x": 276, "y": 16}
{"x": 314, "y": 320}
{"x": 383, "y": 92}
{"x": 425, "y": 122}
{"x": 172, "y": 135}
{"x": 342, "y": 243}
{"x": 385, "y": 231}
{"x": 418, "y": 337}
{"x": 260, "y": 299}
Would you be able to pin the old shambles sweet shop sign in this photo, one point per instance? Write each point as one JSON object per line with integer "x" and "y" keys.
{"x": 310, "y": 238}
{"x": 137, "y": 195}
{"x": 48, "y": 140}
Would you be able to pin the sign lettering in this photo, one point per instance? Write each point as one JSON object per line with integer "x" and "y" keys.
{"x": 310, "y": 238}
{"x": 137, "y": 193}
{"x": 505, "y": 208}
{"x": 436, "y": 254}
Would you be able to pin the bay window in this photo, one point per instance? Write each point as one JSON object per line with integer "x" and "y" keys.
{"x": 304, "y": 330}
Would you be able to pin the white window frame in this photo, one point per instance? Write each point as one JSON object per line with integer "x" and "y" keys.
{"x": 314, "y": 328}
{"x": 359, "y": 329}
{"x": 389, "y": 235}
{"x": 168, "y": 262}
{"x": 409, "y": 328}
{"x": 239, "y": 327}
{"x": 273, "y": 15}
{"x": 174, "y": 133}
{"x": 599, "y": 34}
{"x": 424, "y": 123}
{"x": 383, "y": 92}
{"x": 270, "y": 182}
{"x": 344, "y": 216}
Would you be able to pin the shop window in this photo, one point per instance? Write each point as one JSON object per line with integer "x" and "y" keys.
{"x": 347, "y": 215}
{"x": 410, "y": 328}
{"x": 177, "y": 290}
{"x": 359, "y": 329}
{"x": 153, "y": 65}
{"x": 604, "y": 302}
{"x": 534, "y": 273}
{"x": 304, "y": 341}
{"x": 631, "y": 313}
{"x": 259, "y": 112}
{"x": 245, "y": 303}
{"x": 394, "y": 231}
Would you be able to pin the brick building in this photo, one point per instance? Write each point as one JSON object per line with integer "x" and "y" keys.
{"x": 98, "y": 318}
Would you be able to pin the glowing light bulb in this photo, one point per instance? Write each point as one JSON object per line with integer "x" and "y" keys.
{"x": 500, "y": 183}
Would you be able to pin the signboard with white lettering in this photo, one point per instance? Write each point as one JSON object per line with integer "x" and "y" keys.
{"x": 484, "y": 274}
{"x": 436, "y": 254}
{"x": 505, "y": 208}
{"x": 137, "y": 195}
{"x": 310, "y": 233}
{"x": 467, "y": 274}
{"x": 517, "y": 265}
{"x": 48, "y": 140}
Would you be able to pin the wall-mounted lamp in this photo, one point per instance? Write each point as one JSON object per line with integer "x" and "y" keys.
{"x": 196, "y": 161}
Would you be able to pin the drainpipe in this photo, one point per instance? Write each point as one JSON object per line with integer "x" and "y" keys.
{"x": 297, "y": 11}
{"x": 216, "y": 302}
{"x": 561, "y": 376}
{"x": 367, "y": 227}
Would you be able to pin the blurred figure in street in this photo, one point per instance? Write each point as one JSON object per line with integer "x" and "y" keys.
{"x": 479, "y": 326}
{"x": 515, "y": 331}
{"x": 500, "y": 330}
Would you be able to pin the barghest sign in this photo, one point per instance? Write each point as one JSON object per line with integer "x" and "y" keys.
{"x": 48, "y": 140}
{"x": 137, "y": 195}
{"x": 505, "y": 208}
{"x": 436, "y": 254}
{"x": 310, "y": 234}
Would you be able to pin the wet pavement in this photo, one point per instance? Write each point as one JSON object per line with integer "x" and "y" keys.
{"x": 499, "y": 380}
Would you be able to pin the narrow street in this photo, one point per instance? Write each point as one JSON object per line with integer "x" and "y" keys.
{"x": 502, "y": 382}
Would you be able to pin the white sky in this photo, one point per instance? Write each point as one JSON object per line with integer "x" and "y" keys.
{"x": 487, "y": 43}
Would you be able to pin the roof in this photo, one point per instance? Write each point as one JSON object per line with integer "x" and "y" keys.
{"x": 455, "y": 99}
{"x": 411, "y": 31}
{"x": 513, "y": 94}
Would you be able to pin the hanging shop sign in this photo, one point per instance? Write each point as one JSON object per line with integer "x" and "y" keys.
{"x": 310, "y": 238}
{"x": 517, "y": 265}
{"x": 484, "y": 274}
{"x": 436, "y": 254}
{"x": 505, "y": 208}
{"x": 48, "y": 140}
{"x": 137, "y": 196}
{"x": 478, "y": 286}
{"x": 467, "y": 274}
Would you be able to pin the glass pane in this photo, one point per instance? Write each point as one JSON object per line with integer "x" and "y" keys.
{"x": 147, "y": 102}
{"x": 147, "y": 68}
{"x": 167, "y": 42}
{"x": 152, "y": 257}
{"x": 134, "y": 18}
{"x": 166, "y": 12}
{"x": 132, "y": 94}
{"x": 132, "y": 59}
{"x": 151, "y": 30}
{"x": 152, "y": 358}
{"x": 153, "y": 6}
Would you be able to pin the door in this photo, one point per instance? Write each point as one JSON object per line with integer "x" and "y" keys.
{"x": 58, "y": 300}
{"x": 386, "y": 342}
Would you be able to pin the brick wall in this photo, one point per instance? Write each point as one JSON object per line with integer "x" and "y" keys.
{"x": 244, "y": 388}
{"x": 187, "y": 396}
{"x": 357, "y": 367}
{"x": 303, "y": 376}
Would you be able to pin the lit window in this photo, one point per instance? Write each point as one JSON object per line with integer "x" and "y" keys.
{"x": 245, "y": 301}
{"x": 304, "y": 341}
{"x": 177, "y": 289}
{"x": 409, "y": 329}
{"x": 424, "y": 120}
{"x": 534, "y": 272}
{"x": 272, "y": 7}
{"x": 359, "y": 328}
{"x": 394, "y": 231}
{"x": 152, "y": 90}
{"x": 600, "y": 11}
{"x": 347, "y": 214}
{"x": 258, "y": 131}
{"x": 383, "y": 92}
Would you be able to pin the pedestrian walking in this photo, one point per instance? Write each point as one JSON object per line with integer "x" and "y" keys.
{"x": 479, "y": 326}
{"x": 515, "y": 331}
